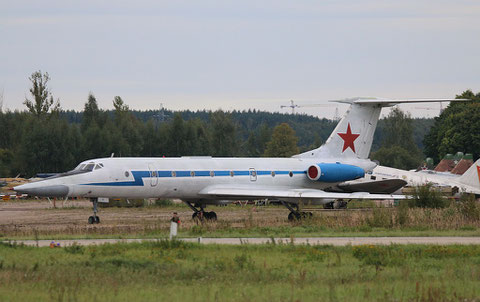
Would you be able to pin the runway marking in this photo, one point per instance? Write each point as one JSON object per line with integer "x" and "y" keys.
{"x": 335, "y": 241}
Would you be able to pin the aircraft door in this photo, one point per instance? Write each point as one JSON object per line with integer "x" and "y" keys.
{"x": 153, "y": 175}
{"x": 253, "y": 174}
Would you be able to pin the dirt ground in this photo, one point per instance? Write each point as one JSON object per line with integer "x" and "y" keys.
{"x": 39, "y": 217}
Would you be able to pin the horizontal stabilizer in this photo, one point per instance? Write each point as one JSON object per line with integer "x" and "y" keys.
{"x": 392, "y": 102}
{"x": 385, "y": 186}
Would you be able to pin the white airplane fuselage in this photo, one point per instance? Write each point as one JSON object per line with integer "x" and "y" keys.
{"x": 186, "y": 177}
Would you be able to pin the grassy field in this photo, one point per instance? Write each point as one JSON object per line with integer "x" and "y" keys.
{"x": 178, "y": 271}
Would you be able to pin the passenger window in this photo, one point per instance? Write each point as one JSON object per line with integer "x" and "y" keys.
{"x": 89, "y": 167}
{"x": 97, "y": 167}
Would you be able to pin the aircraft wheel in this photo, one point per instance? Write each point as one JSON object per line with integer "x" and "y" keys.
{"x": 194, "y": 215}
{"x": 97, "y": 219}
{"x": 294, "y": 216}
{"x": 306, "y": 215}
{"x": 212, "y": 216}
{"x": 91, "y": 220}
{"x": 328, "y": 205}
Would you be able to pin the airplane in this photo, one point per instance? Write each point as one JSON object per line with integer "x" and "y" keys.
{"x": 469, "y": 182}
{"x": 200, "y": 181}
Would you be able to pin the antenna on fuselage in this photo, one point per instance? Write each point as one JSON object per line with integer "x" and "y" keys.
{"x": 113, "y": 154}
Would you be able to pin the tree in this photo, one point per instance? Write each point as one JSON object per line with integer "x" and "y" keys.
{"x": 119, "y": 104}
{"x": 396, "y": 157}
{"x": 6, "y": 157}
{"x": 224, "y": 141}
{"x": 283, "y": 142}
{"x": 456, "y": 129}
{"x": 42, "y": 97}
{"x": 91, "y": 113}
{"x": 398, "y": 149}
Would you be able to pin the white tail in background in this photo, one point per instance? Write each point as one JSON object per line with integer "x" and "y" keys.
{"x": 471, "y": 177}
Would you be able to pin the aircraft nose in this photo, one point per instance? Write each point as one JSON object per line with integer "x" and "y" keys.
{"x": 42, "y": 191}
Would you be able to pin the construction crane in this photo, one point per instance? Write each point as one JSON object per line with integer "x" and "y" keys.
{"x": 432, "y": 108}
{"x": 292, "y": 105}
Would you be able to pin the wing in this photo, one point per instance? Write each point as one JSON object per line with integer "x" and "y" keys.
{"x": 256, "y": 192}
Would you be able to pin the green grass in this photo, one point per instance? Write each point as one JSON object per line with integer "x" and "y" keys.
{"x": 255, "y": 232}
{"x": 178, "y": 271}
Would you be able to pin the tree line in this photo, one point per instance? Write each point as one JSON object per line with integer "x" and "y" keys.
{"x": 45, "y": 138}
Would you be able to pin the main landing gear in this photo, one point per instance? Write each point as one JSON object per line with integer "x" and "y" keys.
{"x": 200, "y": 212}
{"x": 295, "y": 214}
{"x": 94, "y": 219}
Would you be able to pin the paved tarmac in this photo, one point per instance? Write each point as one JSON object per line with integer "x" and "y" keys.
{"x": 336, "y": 241}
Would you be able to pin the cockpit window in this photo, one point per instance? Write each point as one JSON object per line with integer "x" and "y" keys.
{"x": 98, "y": 166}
{"x": 88, "y": 167}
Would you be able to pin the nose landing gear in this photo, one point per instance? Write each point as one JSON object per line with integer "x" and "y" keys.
{"x": 94, "y": 219}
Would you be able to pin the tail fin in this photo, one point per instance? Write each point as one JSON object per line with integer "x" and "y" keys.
{"x": 471, "y": 177}
{"x": 353, "y": 136}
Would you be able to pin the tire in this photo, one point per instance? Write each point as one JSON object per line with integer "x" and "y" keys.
{"x": 213, "y": 216}
{"x": 194, "y": 215}
{"x": 91, "y": 220}
{"x": 293, "y": 216}
{"x": 328, "y": 205}
{"x": 97, "y": 219}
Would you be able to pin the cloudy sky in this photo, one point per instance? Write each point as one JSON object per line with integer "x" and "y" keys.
{"x": 239, "y": 54}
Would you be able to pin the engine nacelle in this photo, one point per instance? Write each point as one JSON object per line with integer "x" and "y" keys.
{"x": 334, "y": 172}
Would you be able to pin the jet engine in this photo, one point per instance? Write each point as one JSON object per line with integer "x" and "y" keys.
{"x": 327, "y": 172}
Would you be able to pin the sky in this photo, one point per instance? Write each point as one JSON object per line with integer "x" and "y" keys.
{"x": 240, "y": 55}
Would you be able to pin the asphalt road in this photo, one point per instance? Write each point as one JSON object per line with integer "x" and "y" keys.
{"x": 336, "y": 241}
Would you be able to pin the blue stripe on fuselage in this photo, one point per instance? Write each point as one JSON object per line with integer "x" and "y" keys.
{"x": 139, "y": 175}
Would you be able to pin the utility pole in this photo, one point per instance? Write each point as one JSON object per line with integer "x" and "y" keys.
{"x": 160, "y": 116}
{"x": 1, "y": 101}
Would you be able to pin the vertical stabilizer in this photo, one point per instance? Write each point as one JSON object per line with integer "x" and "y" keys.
{"x": 472, "y": 176}
{"x": 353, "y": 136}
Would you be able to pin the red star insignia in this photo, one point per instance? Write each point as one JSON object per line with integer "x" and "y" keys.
{"x": 348, "y": 139}
{"x": 478, "y": 173}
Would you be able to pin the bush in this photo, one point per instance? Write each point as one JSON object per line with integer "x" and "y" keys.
{"x": 74, "y": 249}
{"x": 427, "y": 197}
{"x": 468, "y": 207}
{"x": 381, "y": 218}
{"x": 163, "y": 202}
{"x": 402, "y": 212}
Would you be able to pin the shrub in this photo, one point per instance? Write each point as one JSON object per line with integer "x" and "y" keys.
{"x": 74, "y": 249}
{"x": 402, "y": 212}
{"x": 427, "y": 197}
{"x": 381, "y": 218}
{"x": 244, "y": 261}
{"x": 469, "y": 207}
{"x": 163, "y": 202}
